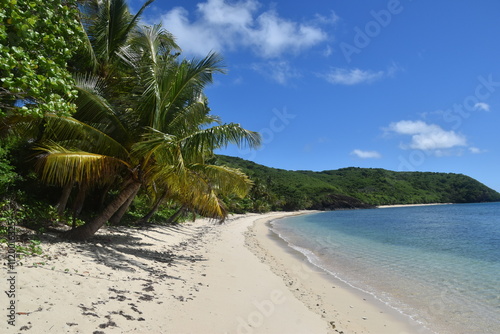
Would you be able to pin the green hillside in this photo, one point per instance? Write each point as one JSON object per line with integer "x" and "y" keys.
{"x": 278, "y": 189}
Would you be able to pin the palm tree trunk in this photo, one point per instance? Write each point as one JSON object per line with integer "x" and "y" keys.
{"x": 90, "y": 228}
{"x": 176, "y": 215}
{"x": 80, "y": 199}
{"x": 117, "y": 217}
{"x": 153, "y": 210}
{"x": 63, "y": 200}
{"x": 104, "y": 195}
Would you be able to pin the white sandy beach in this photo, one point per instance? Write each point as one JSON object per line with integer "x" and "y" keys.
{"x": 199, "y": 277}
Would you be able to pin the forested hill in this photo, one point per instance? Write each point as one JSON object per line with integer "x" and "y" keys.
{"x": 278, "y": 189}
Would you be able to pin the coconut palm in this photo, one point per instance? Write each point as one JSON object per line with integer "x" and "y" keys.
{"x": 153, "y": 132}
{"x": 162, "y": 140}
{"x": 108, "y": 25}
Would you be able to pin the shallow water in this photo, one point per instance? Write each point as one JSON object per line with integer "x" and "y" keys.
{"x": 438, "y": 264}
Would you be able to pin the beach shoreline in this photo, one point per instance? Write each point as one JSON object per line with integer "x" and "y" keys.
{"x": 346, "y": 308}
{"x": 197, "y": 277}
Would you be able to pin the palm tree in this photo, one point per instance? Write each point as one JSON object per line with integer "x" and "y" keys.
{"x": 108, "y": 25}
{"x": 155, "y": 134}
{"x": 163, "y": 138}
{"x": 173, "y": 108}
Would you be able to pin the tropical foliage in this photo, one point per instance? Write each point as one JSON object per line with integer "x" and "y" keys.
{"x": 7, "y": 173}
{"x": 142, "y": 124}
{"x": 37, "y": 39}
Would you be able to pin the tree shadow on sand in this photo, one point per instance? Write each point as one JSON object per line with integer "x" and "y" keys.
{"x": 129, "y": 250}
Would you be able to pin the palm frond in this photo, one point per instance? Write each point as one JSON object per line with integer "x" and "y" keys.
{"x": 224, "y": 180}
{"x": 88, "y": 51}
{"x": 58, "y": 165}
{"x": 148, "y": 45}
{"x": 196, "y": 73}
{"x": 88, "y": 137}
{"x": 110, "y": 29}
{"x": 219, "y": 136}
{"x": 24, "y": 126}
{"x": 170, "y": 86}
{"x": 133, "y": 22}
{"x": 190, "y": 119}
{"x": 93, "y": 108}
{"x": 197, "y": 196}
{"x": 156, "y": 142}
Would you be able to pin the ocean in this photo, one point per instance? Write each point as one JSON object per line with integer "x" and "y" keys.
{"x": 438, "y": 264}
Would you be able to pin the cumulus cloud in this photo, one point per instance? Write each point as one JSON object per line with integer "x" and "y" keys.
{"x": 192, "y": 38}
{"x": 482, "y": 106}
{"x": 427, "y": 137}
{"x": 366, "y": 154}
{"x": 220, "y": 25}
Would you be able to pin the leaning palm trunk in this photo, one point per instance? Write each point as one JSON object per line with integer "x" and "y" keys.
{"x": 63, "y": 200}
{"x": 104, "y": 195}
{"x": 153, "y": 210}
{"x": 117, "y": 217}
{"x": 79, "y": 200}
{"x": 90, "y": 228}
{"x": 177, "y": 215}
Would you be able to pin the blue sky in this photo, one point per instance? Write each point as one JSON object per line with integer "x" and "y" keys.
{"x": 395, "y": 84}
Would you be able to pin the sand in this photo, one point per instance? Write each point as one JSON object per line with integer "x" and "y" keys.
{"x": 198, "y": 277}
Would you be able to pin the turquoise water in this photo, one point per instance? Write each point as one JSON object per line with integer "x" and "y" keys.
{"x": 438, "y": 264}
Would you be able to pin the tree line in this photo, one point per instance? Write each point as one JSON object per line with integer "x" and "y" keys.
{"x": 349, "y": 188}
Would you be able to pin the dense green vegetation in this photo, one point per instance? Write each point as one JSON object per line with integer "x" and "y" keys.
{"x": 104, "y": 111}
{"x": 37, "y": 39}
{"x": 278, "y": 189}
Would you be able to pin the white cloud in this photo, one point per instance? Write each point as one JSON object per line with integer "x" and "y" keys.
{"x": 275, "y": 35}
{"x": 352, "y": 77}
{"x": 428, "y": 137}
{"x": 328, "y": 51}
{"x": 279, "y": 71}
{"x": 238, "y": 15}
{"x": 200, "y": 40}
{"x": 393, "y": 69}
{"x": 366, "y": 154}
{"x": 482, "y": 106}
{"x": 343, "y": 76}
{"x": 332, "y": 19}
{"x": 412, "y": 127}
{"x": 476, "y": 150}
{"x": 220, "y": 25}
